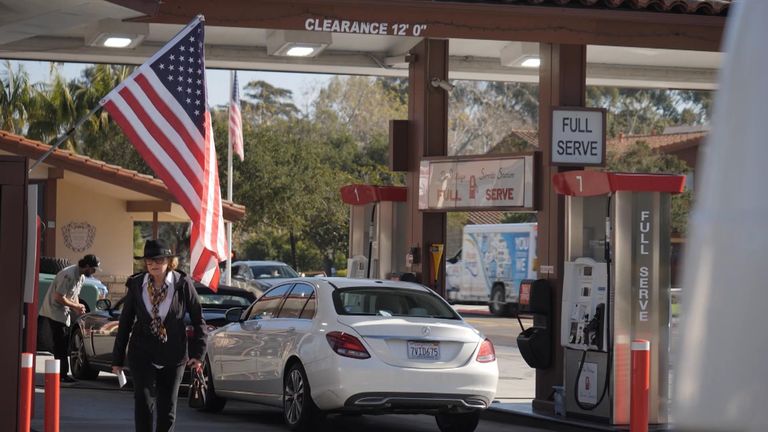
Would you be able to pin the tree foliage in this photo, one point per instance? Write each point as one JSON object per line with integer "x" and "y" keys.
{"x": 640, "y": 158}
{"x": 482, "y": 113}
{"x": 649, "y": 111}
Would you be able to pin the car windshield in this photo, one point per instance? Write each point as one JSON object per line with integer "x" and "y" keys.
{"x": 273, "y": 271}
{"x": 398, "y": 302}
{"x": 223, "y": 301}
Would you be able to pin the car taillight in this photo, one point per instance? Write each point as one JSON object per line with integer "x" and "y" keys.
{"x": 486, "y": 354}
{"x": 347, "y": 345}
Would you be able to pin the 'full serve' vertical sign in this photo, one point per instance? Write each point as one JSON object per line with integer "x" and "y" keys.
{"x": 578, "y": 136}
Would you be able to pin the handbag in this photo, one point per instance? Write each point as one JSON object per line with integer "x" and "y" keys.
{"x": 198, "y": 389}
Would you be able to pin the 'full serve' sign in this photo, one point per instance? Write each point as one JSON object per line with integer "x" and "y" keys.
{"x": 578, "y": 136}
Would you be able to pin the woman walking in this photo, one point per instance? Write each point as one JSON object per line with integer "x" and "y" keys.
{"x": 152, "y": 319}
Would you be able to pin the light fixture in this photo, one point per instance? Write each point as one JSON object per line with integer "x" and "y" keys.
{"x": 520, "y": 54}
{"x": 443, "y": 84}
{"x": 112, "y": 33}
{"x": 297, "y": 43}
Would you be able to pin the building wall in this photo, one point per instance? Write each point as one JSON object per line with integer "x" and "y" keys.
{"x": 113, "y": 236}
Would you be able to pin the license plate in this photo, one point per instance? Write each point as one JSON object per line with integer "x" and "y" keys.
{"x": 423, "y": 350}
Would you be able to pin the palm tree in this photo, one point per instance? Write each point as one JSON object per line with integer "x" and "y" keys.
{"x": 14, "y": 98}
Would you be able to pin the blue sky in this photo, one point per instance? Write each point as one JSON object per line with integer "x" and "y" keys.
{"x": 303, "y": 86}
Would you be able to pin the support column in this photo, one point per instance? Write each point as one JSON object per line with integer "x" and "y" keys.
{"x": 562, "y": 82}
{"x": 13, "y": 232}
{"x": 427, "y": 136}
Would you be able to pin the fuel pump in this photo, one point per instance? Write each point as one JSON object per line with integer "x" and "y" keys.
{"x": 615, "y": 289}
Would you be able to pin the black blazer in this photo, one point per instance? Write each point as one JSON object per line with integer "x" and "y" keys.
{"x": 144, "y": 347}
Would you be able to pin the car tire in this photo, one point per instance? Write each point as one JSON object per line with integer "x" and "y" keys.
{"x": 458, "y": 422}
{"x": 299, "y": 411}
{"x": 213, "y": 403}
{"x": 53, "y": 265}
{"x": 496, "y": 305}
{"x": 78, "y": 360}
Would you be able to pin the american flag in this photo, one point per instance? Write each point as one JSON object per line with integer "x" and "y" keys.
{"x": 235, "y": 120}
{"x": 163, "y": 109}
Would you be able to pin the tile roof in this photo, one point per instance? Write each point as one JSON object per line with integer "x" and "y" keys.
{"x": 698, "y": 7}
{"x": 102, "y": 171}
{"x": 664, "y": 142}
{"x": 485, "y": 217}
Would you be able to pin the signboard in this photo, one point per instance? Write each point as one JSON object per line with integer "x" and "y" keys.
{"x": 578, "y": 136}
{"x": 476, "y": 183}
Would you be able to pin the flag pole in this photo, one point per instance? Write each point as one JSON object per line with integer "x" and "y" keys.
{"x": 64, "y": 137}
{"x": 228, "y": 273}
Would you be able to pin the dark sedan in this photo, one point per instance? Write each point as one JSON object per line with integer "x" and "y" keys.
{"x": 93, "y": 334}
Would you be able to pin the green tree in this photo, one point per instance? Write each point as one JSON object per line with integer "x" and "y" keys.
{"x": 266, "y": 103}
{"x": 15, "y": 95}
{"x": 649, "y": 111}
{"x": 640, "y": 158}
{"x": 482, "y": 113}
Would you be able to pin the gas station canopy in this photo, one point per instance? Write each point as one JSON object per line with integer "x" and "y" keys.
{"x": 76, "y": 30}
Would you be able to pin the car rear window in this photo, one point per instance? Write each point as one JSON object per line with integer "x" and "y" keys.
{"x": 223, "y": 301}
{"x": 401, "y": 302}
{"x": 273, "y": 272}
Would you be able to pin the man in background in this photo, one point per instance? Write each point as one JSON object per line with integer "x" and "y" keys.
{"x": 58, "y": 305}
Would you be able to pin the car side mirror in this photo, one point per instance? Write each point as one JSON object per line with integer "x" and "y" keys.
{"x": 103, "y": 304}
{"x": 233, "y": 314}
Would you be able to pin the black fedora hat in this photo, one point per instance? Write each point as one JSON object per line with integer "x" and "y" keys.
{"x": 156, "y": 249}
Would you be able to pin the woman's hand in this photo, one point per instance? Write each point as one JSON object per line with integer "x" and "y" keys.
{"x": 194, "y": 364}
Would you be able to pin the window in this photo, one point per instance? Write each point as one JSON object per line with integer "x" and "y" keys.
{"x": 296, "y": 301}
{"x": 388, "y": 301}
{"x": 309, "y": 308}
{"x": 268, "y": 305}
{"x": 273, "y": 271}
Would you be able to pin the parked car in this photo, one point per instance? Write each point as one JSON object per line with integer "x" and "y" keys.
{"x": 92, "y": 290}
{"x": 333, "y": 345}
{"x": 93, "y": 334}
{"x": 261, "y": 275}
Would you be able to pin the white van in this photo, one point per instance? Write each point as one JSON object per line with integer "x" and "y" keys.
{"x": 492, "y": 262}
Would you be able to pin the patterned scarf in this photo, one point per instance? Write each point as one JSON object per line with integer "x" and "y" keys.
{"x": 157, "y": 296}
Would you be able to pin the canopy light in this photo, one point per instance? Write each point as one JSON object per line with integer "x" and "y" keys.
{"x": 520, "y": 54}
{"x": 301, "y": 51}
{"x": 297, "y": 43}
{"x": 112, "y": 33}
{"x": 532, "y": 62}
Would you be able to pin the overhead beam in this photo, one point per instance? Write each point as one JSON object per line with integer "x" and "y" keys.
{"x": 582, "y": 26}
{"x": 357, "y": 63}
{"x": 147, "y": 206}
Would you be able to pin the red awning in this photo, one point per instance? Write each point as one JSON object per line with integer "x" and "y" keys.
{"x": 360, "y": 194}
{"x": 591, "y": 183}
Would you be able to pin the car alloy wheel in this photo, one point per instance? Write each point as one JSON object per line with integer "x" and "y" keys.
{"x": 78, "y": 360}
{"x": 213, "y": 403}
{"x": 298, "y": 407}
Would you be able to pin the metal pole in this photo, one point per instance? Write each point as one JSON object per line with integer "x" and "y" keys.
{"x": 65, "y": 136}
{"x": 228, "y": 272}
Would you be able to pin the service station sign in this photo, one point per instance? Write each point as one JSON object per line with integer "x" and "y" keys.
{"x": 578, "y": 136}
{"x": 476, "y": 183}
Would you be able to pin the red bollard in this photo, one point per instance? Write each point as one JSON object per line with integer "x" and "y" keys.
{"x": 641, "y": 383}
{"x": 51, "y": 423}
{"x": 27, "y": 386}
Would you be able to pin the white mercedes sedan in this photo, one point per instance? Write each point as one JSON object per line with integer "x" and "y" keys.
{"x": 333, "y": 345}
